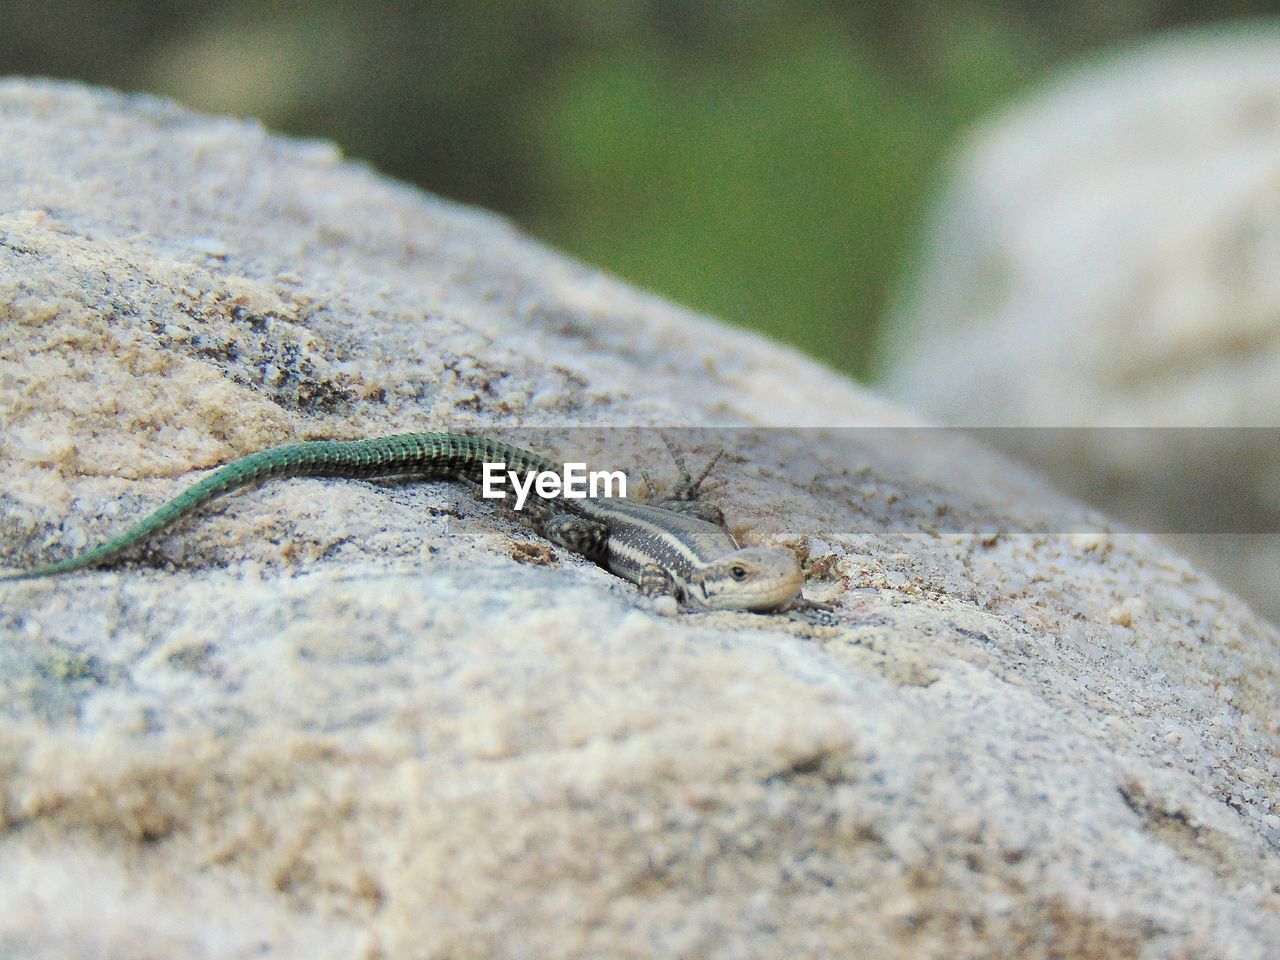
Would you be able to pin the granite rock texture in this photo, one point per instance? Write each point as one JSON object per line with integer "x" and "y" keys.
{"x": 336, "y": 719}
{"x": 1104, "y": 257}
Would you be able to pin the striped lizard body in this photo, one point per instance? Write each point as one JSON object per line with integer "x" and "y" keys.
{"x": 664, "y": 549}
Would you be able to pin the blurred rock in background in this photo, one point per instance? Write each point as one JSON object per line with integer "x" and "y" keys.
{"x": 768, "y": 162}
{"x": 1107, "y": 256}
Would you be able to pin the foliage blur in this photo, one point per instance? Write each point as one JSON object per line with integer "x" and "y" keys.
{"x": 765, "y": 160}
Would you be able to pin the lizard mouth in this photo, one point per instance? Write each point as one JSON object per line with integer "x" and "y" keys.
{"x": 778, "y": 593}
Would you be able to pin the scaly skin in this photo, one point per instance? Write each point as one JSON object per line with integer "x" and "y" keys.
{"x": 665, "y": 549}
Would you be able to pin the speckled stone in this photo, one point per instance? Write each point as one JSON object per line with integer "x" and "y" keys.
{"x": 333, "y": 719}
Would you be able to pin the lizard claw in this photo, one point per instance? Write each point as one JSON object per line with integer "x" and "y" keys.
{"x": 687, "y": 488}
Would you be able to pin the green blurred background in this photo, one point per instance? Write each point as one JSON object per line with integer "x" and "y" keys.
{"x": 768, "y": 162}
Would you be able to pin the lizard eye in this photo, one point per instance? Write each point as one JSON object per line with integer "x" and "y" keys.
{"x": 738, "y": 572}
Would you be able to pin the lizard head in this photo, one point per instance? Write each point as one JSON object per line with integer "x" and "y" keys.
{"x": 753, "y": 578}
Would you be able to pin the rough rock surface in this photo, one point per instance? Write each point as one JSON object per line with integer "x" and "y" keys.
{"x": 334, "y": 719}
{"x": 1106, "y": 257}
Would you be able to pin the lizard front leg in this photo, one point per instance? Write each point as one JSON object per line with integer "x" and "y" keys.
{"x": 655, "y": 581}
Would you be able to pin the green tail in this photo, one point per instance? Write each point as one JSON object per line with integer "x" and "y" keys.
{"x": 240, "y": 473}
{"x": 414, "y": 455}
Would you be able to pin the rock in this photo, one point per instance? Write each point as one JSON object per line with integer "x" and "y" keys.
{"x": 1105, "y": 257}
{"x": 334, "y": 719}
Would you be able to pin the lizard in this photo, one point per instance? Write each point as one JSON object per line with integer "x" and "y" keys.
{"x": 679, "y": 547}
